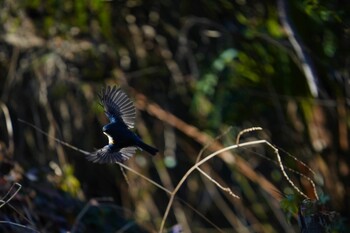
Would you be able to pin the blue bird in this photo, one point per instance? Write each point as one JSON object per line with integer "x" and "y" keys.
{"x": 122, "y": 142}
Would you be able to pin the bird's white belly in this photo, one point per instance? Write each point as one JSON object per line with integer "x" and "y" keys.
{"x": 110, "y": 139}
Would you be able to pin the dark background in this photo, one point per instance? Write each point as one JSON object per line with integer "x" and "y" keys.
{"x": 211, "y": 64}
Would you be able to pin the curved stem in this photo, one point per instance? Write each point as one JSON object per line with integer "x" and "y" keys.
{"x": 194, "y": 167}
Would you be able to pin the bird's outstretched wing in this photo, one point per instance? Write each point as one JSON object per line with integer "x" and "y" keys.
{"x": 118, "y": 105}
{"x": 104, "y": 155}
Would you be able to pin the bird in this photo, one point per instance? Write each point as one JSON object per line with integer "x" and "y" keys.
{"x": 122, "y": 142}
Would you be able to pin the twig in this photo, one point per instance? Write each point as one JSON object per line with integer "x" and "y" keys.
{"x": 125, "y": 227}
{"x": 227, "y": 189}
{"x": 283, "y": 171}
{"x": 292, "y": 170}
{"x": 205, "y": 174}
{"x": 229, "y": 211}
{"x": 246, "y": 131}
{"x": 165, "y": 180}
{"x": 279, "y": 162}
{"x": 80, "y": 216}
{"x": 200, "y": 214}
{"x": 54, "y": 138}
{"x": 194, "y": 167}
{"x": 19, "y": 225}
{"x": 3, "y": 201}
{"x": 297, "y": 160}
{"x": 145, "y": 178}
{"x": 125, "y": 176}
{"x": 305, "y": 60}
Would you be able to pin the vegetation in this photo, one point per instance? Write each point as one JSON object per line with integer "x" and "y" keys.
{"x": 199, "y": 72}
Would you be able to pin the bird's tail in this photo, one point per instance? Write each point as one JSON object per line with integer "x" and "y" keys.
{"x": 149, "y": 149}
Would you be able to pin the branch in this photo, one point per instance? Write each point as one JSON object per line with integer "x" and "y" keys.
{"x": 297, "y": 44}
{"x": 155, "y": 110}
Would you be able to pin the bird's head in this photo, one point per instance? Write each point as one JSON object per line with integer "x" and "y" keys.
{"x": 108, "y": 128}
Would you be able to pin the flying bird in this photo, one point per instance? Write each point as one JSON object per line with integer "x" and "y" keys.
{"x": 122, "y": 142}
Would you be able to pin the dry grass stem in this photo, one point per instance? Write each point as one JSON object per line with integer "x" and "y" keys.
{"x": 298, "y": 161}
{"x": 25, "y": 228}
{"x": 196, "y": 166}
{"x": 145, "y": 178}
{"x": 245, "y": 144}
{"x": 284, "y": 172}
{"x": 54, "y": 138}
{"x": 279, "y": 162}
{"x": 246, "y": 131}
{"x": 125, "y": 176}
{"x": 125, "y": 227}
{"x": 11, "y": 193}
{"x": 8, "y": 196}
{"x": 292, "y": 170}
{"x": 227, "y": 189}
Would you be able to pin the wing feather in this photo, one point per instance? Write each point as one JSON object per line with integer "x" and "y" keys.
{"x": 104, "y": 155}
{"x": 118, "y": 105}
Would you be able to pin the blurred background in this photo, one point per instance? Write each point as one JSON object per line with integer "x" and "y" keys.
{"x": 196, "y": 70}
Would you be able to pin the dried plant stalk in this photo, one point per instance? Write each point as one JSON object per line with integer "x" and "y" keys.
{"x": 197, "y": 165}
